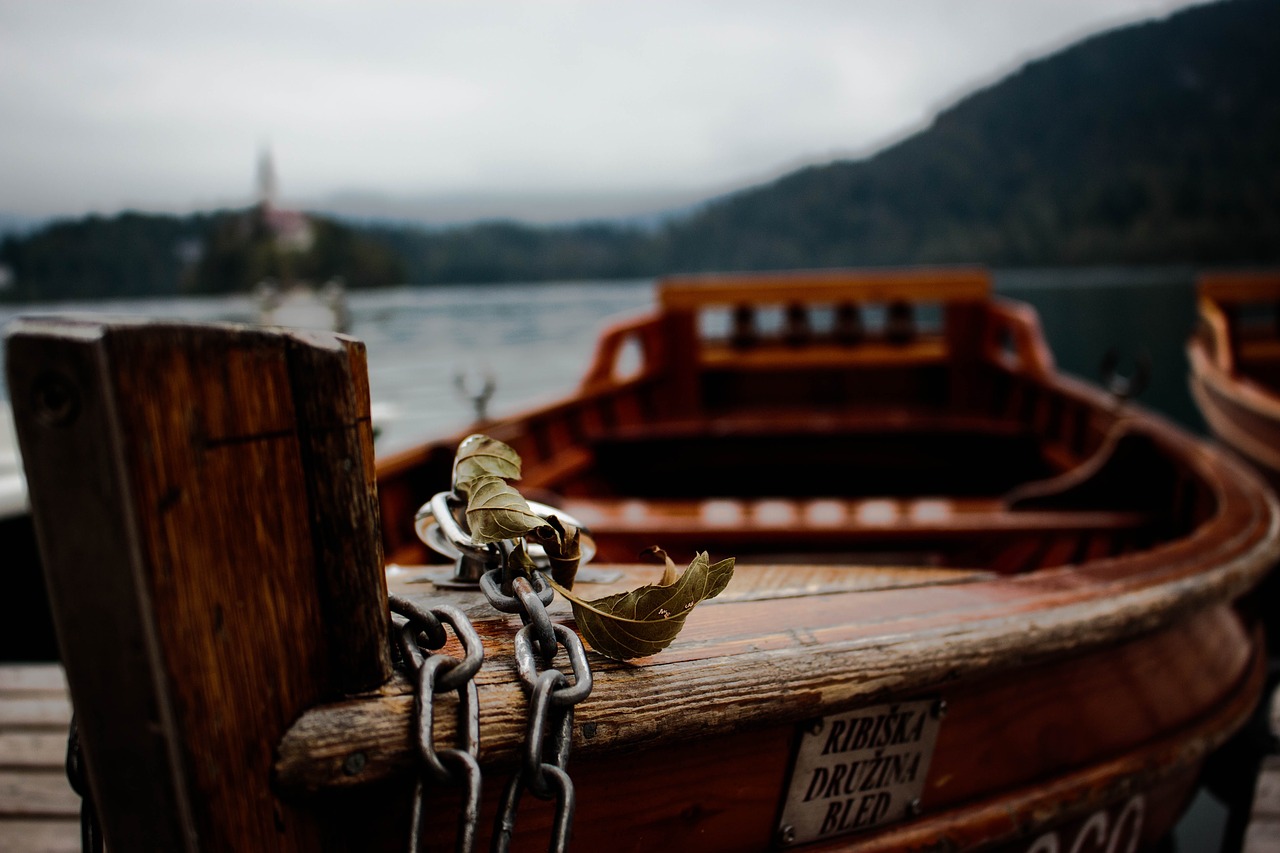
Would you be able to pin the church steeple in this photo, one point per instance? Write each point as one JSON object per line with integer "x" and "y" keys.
{"x": 267, "y": 185}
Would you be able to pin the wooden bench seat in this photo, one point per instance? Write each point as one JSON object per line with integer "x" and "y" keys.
{"x": 624, "y": 526}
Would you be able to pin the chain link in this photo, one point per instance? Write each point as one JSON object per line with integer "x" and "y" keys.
{"x": 441, "y": 673}
{"x": 552, "y": 697}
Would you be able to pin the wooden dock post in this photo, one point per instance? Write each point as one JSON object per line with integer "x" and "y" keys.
{"x": 204, "y": 502}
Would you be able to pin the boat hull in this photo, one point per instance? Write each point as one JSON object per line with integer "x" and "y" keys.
{"x": 1104, "y": 746}
{"x": 1243, "y": 416}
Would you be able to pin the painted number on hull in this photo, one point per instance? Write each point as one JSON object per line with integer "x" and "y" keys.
{"x": 1098, "y": 834}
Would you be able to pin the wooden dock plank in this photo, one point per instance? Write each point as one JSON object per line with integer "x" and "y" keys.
{"x": 32, "y": 749}
{"x": 29, "y": 677}
{"x": 40, "y": 836}
{"x": 32, "y": 793}
{"x": 38, "y": 809}
{"x": 44, "y": 712}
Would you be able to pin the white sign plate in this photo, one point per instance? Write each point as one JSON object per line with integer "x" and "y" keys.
{"x": 859, "y": 769}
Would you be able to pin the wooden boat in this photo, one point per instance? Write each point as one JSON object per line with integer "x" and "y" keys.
{"x": 1235, "y": 364}
{"x": 980, "y": 605}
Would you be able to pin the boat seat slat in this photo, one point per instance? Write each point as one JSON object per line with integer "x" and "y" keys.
{"x": 870, "y": 518}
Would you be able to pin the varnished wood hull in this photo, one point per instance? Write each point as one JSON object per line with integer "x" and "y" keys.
{"x": 1241, "y": 414}
{"x": 1037, "y": 753}
{"x": 1234, "y": 356}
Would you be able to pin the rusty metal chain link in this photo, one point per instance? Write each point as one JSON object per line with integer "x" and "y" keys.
{"x": 436, "y": 672}
{"x": 552, "y": 697}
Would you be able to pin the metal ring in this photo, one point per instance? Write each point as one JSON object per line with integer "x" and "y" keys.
{"x": 472, "y": 648}
{"x": 566, "y": 804}
{"x": 535, "y": 735}
{"x": 527, "y": 666}
{"x": 439, "y": 510}
{"x": 563, "y": 738}
{"x": 436, "y": 526}
{"x": 410, "y": 651}
{"x": 581, "y": 687}
{"x": 533, "y": 612}
{"x": 491, "y": 586}
{"x": 468, "y": 817}
{"x": 424, "y": 700}
{"x": 424, "y": 619}
{"x": 468, "y": 715}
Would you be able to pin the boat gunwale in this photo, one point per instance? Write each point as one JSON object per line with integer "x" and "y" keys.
{"x": 1031, "y": 618}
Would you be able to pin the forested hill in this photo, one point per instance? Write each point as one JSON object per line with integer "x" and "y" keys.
{"x": 137, "y": 254}
{"x": 1155, "y": 143}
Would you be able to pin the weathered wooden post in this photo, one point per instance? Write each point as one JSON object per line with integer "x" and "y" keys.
{"x": 205, "y": 507}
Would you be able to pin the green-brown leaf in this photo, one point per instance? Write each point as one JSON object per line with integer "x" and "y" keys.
{"x": 563, "y": 545}
{"x": 646, "y": 620}
{"x": 481, "y": 456}
{"x": 496, "y": 511}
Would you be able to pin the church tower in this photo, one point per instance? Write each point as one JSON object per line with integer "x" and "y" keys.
{"x": 268, "y": 187}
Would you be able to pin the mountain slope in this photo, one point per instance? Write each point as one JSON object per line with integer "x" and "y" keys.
{"x": 1155, "y": 143}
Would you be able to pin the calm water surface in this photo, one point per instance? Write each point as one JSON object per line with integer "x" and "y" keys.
{"x": 536, "y": 339}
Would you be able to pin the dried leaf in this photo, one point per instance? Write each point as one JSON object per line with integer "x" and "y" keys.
{"x": 646, "y": 620}
{"x": 481, "y": 456}
{"x": 670, "y": 572}
{"x": 563, "y": 545}
{"x": 519, "y": 560}
{"x": 496, "y": 511}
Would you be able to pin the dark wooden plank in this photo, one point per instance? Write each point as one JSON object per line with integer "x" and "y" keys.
{"x": 331, "y": 397}
{"x": 205, "y": 593}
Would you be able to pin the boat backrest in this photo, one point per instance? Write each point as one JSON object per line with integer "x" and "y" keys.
{"x": 1240, "y": 319}
{"x": 852, "y": 305}
{"x": 725, "y": 330}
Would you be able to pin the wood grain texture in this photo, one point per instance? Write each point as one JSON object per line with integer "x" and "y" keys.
{"x": 197, "y": 602}
{"x": 1054, "y": 752}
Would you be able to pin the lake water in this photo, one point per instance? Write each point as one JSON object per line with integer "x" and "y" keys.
{"x": 536, "y": 339}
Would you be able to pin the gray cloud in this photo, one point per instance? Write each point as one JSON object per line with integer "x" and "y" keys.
{"x": 165, "y": 104}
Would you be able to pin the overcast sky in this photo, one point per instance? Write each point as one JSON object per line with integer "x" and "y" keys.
{"x": 164, "y": 105}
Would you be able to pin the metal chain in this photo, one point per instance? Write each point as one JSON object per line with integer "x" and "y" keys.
{"x": 442, "y": 673}
{"x": 549, "y": 737}
{"x": 90, "y": 833}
